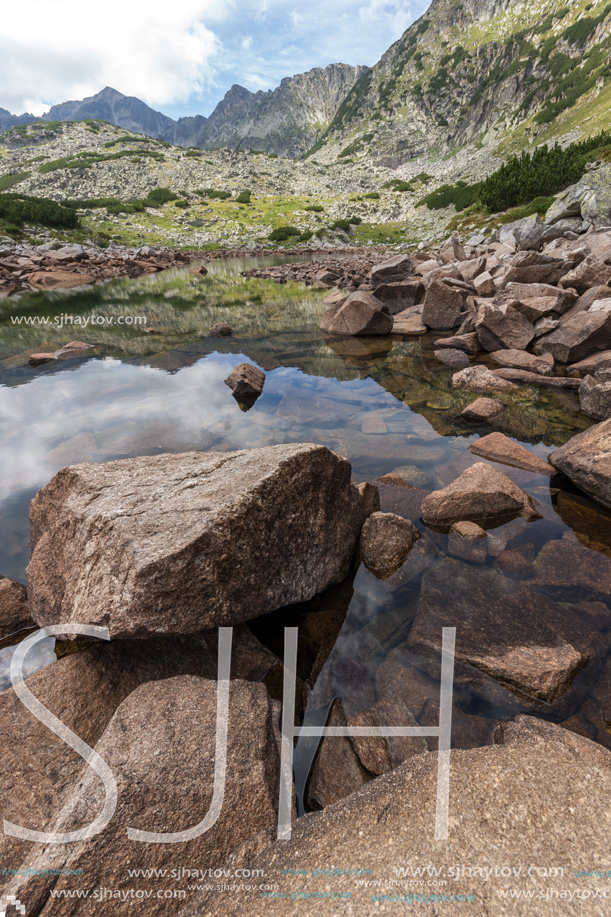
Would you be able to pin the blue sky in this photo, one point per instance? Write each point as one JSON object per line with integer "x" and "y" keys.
{"x": 182, "y": 57}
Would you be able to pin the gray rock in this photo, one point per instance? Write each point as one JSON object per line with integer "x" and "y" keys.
{"x": 586, "y": 460}
{"x": 483, "y": 409}
{"x": 182, "y": 543}
{"x": 503, "y": 328}
{"x": 589, "y": 199}
{"x": 595, "y": 398}
{"x": 480, "y": 494}
{"x": 442, "y": 307}
{"x": 452, "y": 357}
{"x": 361, "y": 314}
{"x": 579, "y": 337}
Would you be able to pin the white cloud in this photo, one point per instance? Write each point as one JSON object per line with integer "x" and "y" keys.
{"x": 161, "y": 52}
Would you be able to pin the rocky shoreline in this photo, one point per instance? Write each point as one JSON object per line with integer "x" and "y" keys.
{"x": 163, "y": 550}
{"x": 55, "y": 265}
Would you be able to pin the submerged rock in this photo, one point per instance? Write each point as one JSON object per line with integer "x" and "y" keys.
{"x": 480, "y": 379}
{"x": 483, "y": 409}
{"x": 480, "y": 494}
{"x": 452, "y": 357}
{"x": 469, "y": 542}
{"x": 511, "y": 631}
{"x": 182, "y": 543}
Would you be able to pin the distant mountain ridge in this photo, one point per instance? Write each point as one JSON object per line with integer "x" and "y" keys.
{"x": 287, "y": 120}
{"x": 499, "y": 74}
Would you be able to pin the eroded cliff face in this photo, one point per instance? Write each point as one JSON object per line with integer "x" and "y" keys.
{"x": 287, "y": 120}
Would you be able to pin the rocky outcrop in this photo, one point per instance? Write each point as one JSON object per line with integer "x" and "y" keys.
{"x": 480, "y": 494}
{"x": 160, "y": 745}
{"x": 120, "y": 544}
{"x": 442, "y": 307}
{"x": 586, "y": 460}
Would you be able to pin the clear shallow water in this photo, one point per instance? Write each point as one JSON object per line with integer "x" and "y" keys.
{"x": 386, "y": 404}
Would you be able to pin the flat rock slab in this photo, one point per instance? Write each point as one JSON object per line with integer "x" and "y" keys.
{"x": 509, "y": 804}
{"x": 566, "y": 565}
{"x": 58, "y": 280}
{"x": 185, "y": 542}
{"x": 454, "y": 358}
{"x": 586, "y": 460}
{"x": 499, "y": 448}
{"x": 480, "y": 494}
{"x": 483, "y": 409}
{"x": 510, "y": 631}
{"x": 519, "y": 359}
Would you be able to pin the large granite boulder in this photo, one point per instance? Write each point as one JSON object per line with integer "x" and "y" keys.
{"x": 160, "y": 746}
{"x": 361, "y": 314}
{"x": 579, "y": 337}
{"x": 532, "y": 800}
{"x": 589, "y": 273}
{"x": 503, "y": 328}
{"x": 480, "y": 494}
{"x": 586, "y": 460}
{"x": 184, "y": 542}
{"x": 442, "y": 307}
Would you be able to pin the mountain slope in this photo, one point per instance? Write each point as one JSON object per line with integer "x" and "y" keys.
{"x": 287, "y": 120}
{"x": 479, "y": 70}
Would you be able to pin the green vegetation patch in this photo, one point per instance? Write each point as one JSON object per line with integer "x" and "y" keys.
{"x": 19, "y": 209}
{"x": 9, "y": 181}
